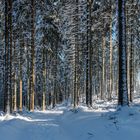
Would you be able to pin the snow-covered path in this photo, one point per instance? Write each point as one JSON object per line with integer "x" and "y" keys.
{"x": 63, "y": 124}
{"x": 30, "y": 126}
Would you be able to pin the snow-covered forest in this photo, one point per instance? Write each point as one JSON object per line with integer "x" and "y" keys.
{"x": 69, "y": 69}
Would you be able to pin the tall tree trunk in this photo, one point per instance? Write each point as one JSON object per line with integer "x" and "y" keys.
{"x": 103, "y": 67}
{"x": 44, "y": 81}
{"x": 128, "y": 49}
{"x": 15, "y": 82}
{"x": 32, "y": 66}
{"x": 111, "y": 61}
{"x": 20, "y": 73}
{"x": 8, "y": 56}
{"x": 76, "y": 20}
{"x": 89, "y": 56}
{"x": 55, "y": 92}
{"x": 131, "y": 68}
{"x": 15, "y": 94}
{"x": 123, "y": 90}
{"x": 28, "y": 78}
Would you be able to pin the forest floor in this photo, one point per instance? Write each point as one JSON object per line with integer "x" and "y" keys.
{"x": 105, "y": 121}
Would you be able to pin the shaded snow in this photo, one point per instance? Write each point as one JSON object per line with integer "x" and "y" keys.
{"x": 103, "y": 122}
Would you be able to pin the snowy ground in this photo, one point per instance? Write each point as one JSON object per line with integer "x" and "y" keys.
{"x": 104, "y": 122}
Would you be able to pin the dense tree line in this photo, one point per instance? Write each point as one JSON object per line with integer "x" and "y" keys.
{"x": 74, "y": 51}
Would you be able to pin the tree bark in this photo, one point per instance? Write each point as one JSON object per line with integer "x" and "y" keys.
{"x": 111, "y": 61}
{"x": 103, "y": 67}
{"x": 8, "y": 57}
{"x": 89, "y": 56}
{"x": 32, "y": 66}
{"x": 122, "y": 87}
